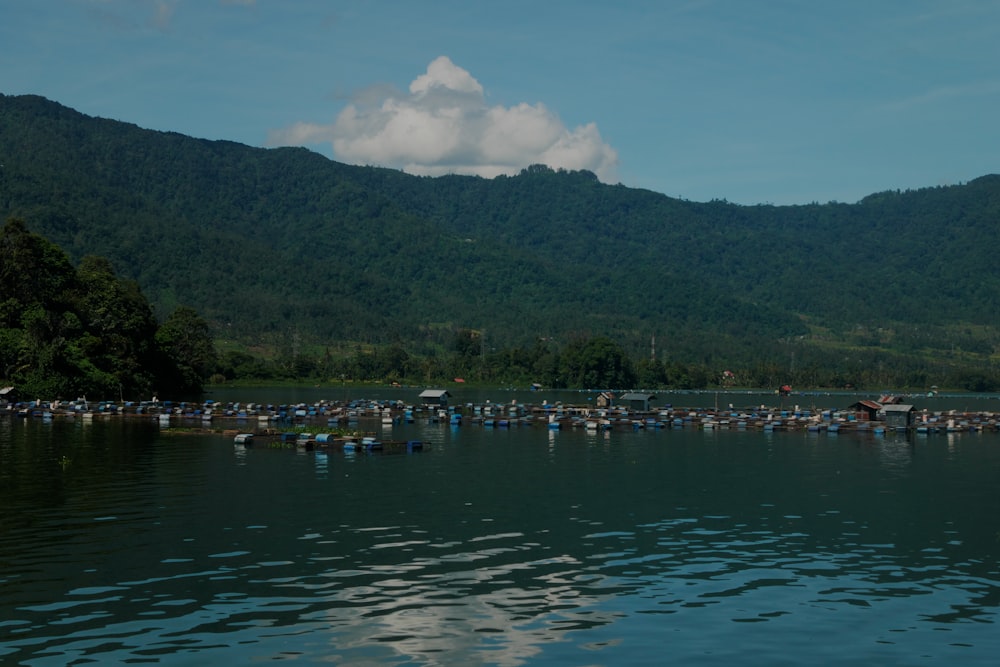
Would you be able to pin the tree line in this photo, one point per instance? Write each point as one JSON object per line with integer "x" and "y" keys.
{"x": 596, "y": 362}
{"x": 68, "y": 331}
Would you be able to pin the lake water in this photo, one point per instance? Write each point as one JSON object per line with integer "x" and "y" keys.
{"x": 123, "y": 543}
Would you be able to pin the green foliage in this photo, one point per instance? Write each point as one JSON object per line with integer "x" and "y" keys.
{"x": 37, "y": 279}
{"x": 283, "y": 249}
{"x": 596, "y": 363}
{"x": 185, "y": 340}
{"x": 68, "y": 332}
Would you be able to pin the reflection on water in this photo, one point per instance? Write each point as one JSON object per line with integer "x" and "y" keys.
{"x": 895, "y": 454}
{"x": 507, "y": 547}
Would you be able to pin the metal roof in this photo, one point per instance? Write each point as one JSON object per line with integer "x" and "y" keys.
{"x": 636, "y": 396}
{"x": 434, "y": 393}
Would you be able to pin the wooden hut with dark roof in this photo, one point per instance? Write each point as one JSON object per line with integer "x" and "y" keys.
{"x": 865, "y": 410}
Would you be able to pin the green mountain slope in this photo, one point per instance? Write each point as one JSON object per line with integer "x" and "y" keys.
{"x": 268, "y": 244}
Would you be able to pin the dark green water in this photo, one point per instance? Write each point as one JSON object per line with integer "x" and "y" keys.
{"x": 121, "y": 543}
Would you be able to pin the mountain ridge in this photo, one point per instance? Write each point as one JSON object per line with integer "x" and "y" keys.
{"x": 273, "y": 243}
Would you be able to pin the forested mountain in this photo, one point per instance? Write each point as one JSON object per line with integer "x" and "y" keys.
{"x": 284, "y": 247}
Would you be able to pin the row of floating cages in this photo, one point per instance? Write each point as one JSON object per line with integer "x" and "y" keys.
{"x": 367, "y": 443}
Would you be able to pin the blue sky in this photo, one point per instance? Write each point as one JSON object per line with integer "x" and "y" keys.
{"x": 764, "y": 101}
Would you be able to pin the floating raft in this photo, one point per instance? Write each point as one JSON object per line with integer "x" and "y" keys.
{"x": 327, "y": 441}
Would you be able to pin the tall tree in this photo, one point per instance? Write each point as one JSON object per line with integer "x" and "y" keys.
{"x": 36, "y": 312}
{"x": 186, "y": 341}
{"x": 121, "y": 325}
{"x": 33, "y": 270}
{"x": 597, "y": 363}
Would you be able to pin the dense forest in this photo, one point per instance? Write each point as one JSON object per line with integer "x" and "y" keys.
{"x": 68, "y": 332}
{"x": 305, "y": 267}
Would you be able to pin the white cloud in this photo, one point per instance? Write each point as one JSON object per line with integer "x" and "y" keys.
{"x": 443, "y": 125}
{"x": 444, "y": 74}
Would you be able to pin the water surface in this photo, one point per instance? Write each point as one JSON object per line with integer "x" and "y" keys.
{"x": 124, "y": 543}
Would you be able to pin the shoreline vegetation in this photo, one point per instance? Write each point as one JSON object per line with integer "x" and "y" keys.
{"x": 82, "y": 330}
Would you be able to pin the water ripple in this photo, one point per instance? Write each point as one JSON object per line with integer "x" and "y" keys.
{"x": 453, "y": 568}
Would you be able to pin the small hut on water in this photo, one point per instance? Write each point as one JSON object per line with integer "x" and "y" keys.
{"x": 605, "y": 399}
{"x": 437, "y": 398}
{"x": 898, "y": 417}
{"x": 637, "y": 401}
{"x": 865, "y": 410}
